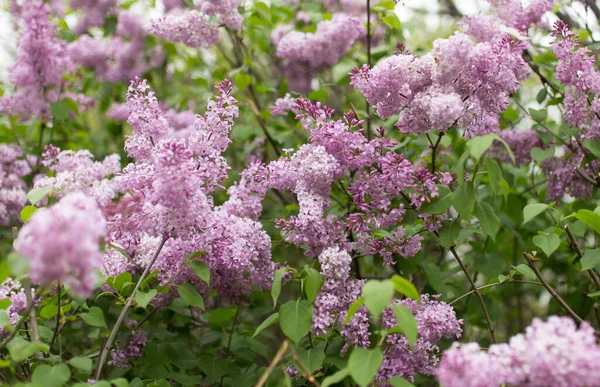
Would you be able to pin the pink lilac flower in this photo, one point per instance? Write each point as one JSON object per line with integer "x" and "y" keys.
{"x": 122, "y": 357}
{"x": 62, "y": 243}
{"x": 13, "y": 189}
{"x": 458, "y": 83}
{"x": 93, "y": 13}
{"x": 11, "y": 290}
{"x": 551, "y": 353}
{"x": 282, "y": 106}
{"x": 41, "y": 61}
{"x": 521, "y": 142}
{"x": 561, "y": 174}
{"x": 78, "y": 172}
{"x": 130, "y": 26}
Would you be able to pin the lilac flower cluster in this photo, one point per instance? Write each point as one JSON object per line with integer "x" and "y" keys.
{"x": 134, "y": 348}
{"x": 76, "y": 171}
{"x": 199, "y": 27}
{"x": 11, "y": 290}
{"x": 41, "y": 61}
{"x": 305, "y": 54}
{"x": 93, "y": 13}
{"x": 119, "y": 58}
{"x": 62, "y": 243}
{"x": 458, "y": 83}
{"x": 168, "y": 193}
{"x": 436, "y": 320}
{"x": 13, "y": 190}
{"x": 551, "y": 353}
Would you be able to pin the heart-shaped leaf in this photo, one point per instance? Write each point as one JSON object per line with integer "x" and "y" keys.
{"x": 547, "y": 242}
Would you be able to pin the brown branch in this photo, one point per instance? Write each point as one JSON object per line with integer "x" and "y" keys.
{"x": 278, "y": 356}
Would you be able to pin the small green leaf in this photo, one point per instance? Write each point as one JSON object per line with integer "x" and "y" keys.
{"x": 311, "y": 358}
{"x": 478, "y": 145}
{"x": 591, "y": 258}
{"x": 27, "y": 212}
{"x": 37, "y": 194}
{"x": 463, "y": 200}
{"x": 59, "y": 110}
{"x": 391, "y": 20}
{"x": 272, "y": 319}
{"x": 494, "y": 174}
{"x": 82, "y": 363}
{"x": 377, "y": 295}
{"x": 295, "y": 319}
{"x": 540, "y": 155}
{"x": 4, "y": 320}
{"x": 48, "y": 376}
{"x": 18, "y": 265}
{"x": 353, "y": 309}
{"x": 593, "y": 146}
{"x": 541, "y": 95}
{"x": 538, "y": 115}
{"x": 407, "y": 324}
{"x": 242, "y": 81}
{"x": 318, "y": 95}
{"x": 449, "y": 233}
{"x": 276, "y": 288}
{"x": 594, "y": 294}
{"x": 95, "y": 317}
{"x": 336, "y": 378}
{"x": 364, "y": 364}
{"x": 191, "y": 295}
{"x": 49, "y": 311}
{"x": 525, "y": 270}
{"x": 489, "y": 221}
{"x": 439, "y": 204}
{"x": 404, "y": 286}
{"x": 312, "y": 283}
{"x": 202, "y": 270}
{"x": 143, "y": 299}
{"x": 21, "y": 349}
{"x": 590, "y": 218}
{"x": 547, "y": 242}
{"x": 532, "y": 210}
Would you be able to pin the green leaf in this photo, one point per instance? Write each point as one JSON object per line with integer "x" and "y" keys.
{"x": 272, "y": 319}
{"x": 49, "y": 311}
{"x": 48, "y": 376}
{"x": 353, "y": 309}
{"x": 489, "y": 221}
{"x": 27, "y": 212}
{"x": 318, "y": 95}
{"x": 592, "y": 146}
{"x": 364, "y": 364}
{"x": 143, "y": 299}
{"x": 590, "y": 218}
{"x": 191, "y": 295}
{"x": 407, "y": 324}
{"x": 37, "y": 194}
{"x": 439, "y": 204}
{"x": 336, "y": 378}
{"x": 21, "y": 349}
{"x": 95, "y": 317}
{"x": 214, "y": 367}
{"x": 312, "y": 283}
{"x": 540, "y": 155}
{"x": 295, "y": 319}
{"x": 311, "y": 358}
{"x": 525, "y": 270}
{"x": 532, "y": 210}
{"x": 391, "y": 20}
{"x": 538, "y": 115}
{"x": 594, "y": 294}
{"x": 463, "y": 200}
{"x": 478, "y": 145}
{"x": 404, "y": 286}
{"x": 510, "y": 114}
{"x": 276, "y": 288}
{"x": 591, "y": 258}
{"x": 18, "y": 265}
{"x": 541, "y": 95}
{"x": 59, "y": 110}
{"x": 494, "y": 174}
{"x": 82, "y": 363}
{"x": 377, "y": 295}
{"x": 547, "y": 242}
{"x": 201, "y": 270}
{"x": 4, "y": 320}
{"x": 449, "y": 233}
{"x": 242, "y": 81}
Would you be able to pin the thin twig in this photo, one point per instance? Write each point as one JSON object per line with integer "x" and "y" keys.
{"x": 550, "y": 289}
{"x": 369, "y": 64}
{"x": 27, "y": 286}
{"x": 115, "y": 329}
{"x": 57, "y": 327}
{"x": 492, "y": 285}
{"x": 575, "y": 246}
{"x": 278, "y": 356}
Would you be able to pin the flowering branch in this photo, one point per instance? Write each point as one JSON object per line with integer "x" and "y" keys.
{"x": 113, "y": 333}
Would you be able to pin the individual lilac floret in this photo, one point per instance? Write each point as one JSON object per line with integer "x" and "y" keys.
{"x": 62, "y": 243}
{"x": 551, "y": 353}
